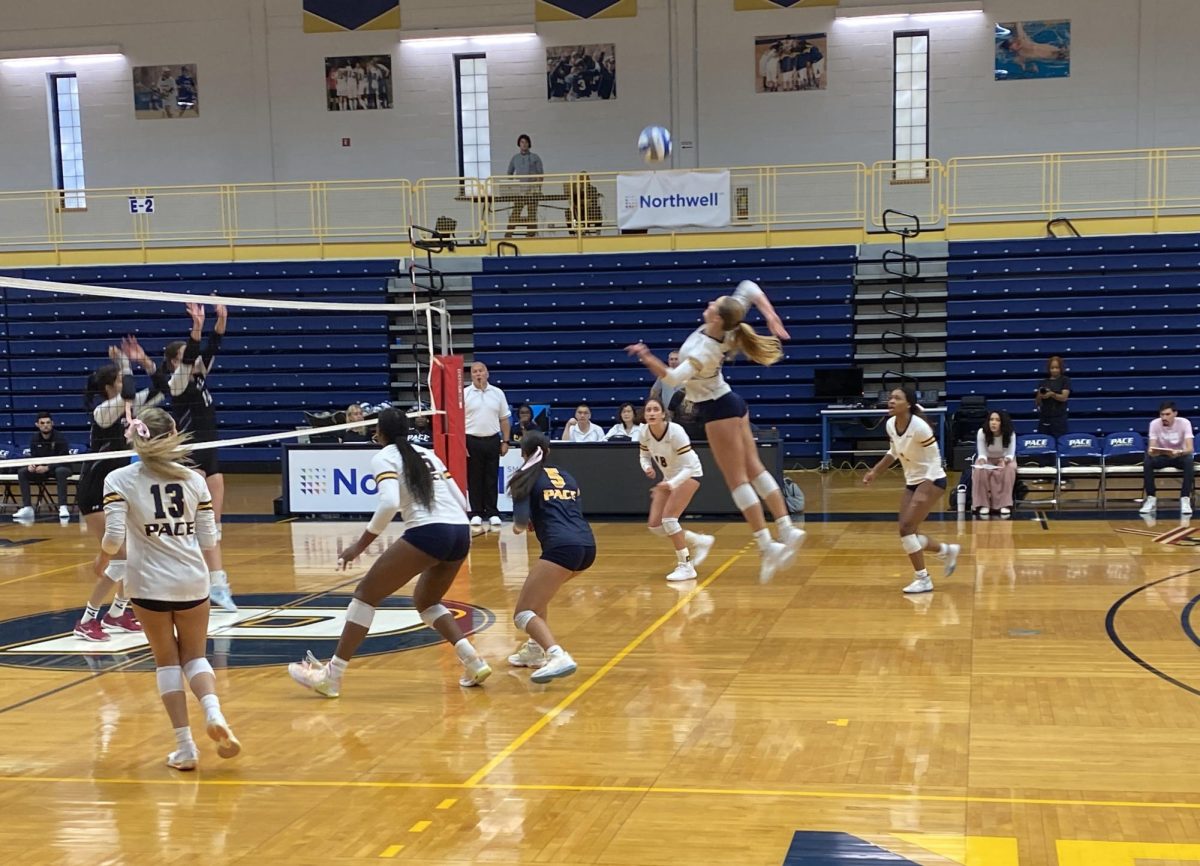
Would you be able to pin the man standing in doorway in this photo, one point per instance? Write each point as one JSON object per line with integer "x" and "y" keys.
{"x": 526, "y": 166}
{"x": 487, "y": 424}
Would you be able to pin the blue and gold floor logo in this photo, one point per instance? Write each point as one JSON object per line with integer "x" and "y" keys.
{"x": 268, "y": 629}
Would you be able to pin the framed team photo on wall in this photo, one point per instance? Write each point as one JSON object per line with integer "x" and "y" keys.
{"x": 361, "y": 83}
{"x": 581, "y": 73}
{"x": 1033, "y": 49}
{"x": 166, "y": 92}
{"x": 790, "y": 63}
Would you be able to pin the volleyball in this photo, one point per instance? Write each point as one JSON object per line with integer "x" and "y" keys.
{"x": 654, "y": 143}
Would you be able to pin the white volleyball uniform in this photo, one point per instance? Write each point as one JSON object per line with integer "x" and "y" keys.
{"x": 448, "y": 506}
{"x": 672, "y": 454}
{"x": 163, "y": 522}
{"x": 917, "y": 451}
{"x": 701, "y": 356}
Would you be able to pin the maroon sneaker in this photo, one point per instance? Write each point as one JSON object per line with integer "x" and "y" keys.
{"x": 125, "y": 622}
{"x": 90, "y": 630}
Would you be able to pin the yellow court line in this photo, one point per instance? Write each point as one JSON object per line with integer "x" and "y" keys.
{"x": 420, "y": 827}
{"x": 867, "y": 796}
{"x": 392, "y": 850}
{"x": 447, "y": 803}
{"x": 46, "y": 573}
{"x": 550, "y": 715}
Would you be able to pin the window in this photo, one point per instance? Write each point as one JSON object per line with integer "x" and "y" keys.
{"x": 910, "y": 112}
{"x": 66, "y": 140}
{"x": 474, "y": 137}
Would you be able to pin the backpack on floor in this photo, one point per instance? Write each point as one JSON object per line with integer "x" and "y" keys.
{"x": 793, "y": 496}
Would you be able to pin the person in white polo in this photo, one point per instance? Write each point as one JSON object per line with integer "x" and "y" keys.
{"x": 1169, "y": 444}
{"x": 487, "y": 439}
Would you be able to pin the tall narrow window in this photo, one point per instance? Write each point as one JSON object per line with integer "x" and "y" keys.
{"x": 474, "y": 137}
{"x": 910, "y": 139}
{"x": 66, "y": 140}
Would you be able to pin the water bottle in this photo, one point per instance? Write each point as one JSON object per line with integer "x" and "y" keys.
{"x": 961, "y": 495}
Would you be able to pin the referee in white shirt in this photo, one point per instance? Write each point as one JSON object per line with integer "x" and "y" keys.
{"x": 487, "y": 439}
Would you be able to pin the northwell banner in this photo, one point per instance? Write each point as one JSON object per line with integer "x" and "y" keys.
{"x": 668, "y": 199}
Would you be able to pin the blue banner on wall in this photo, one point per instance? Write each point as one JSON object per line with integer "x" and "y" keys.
{"x": 338, "y": 16}
{"x": 573, "y": 10}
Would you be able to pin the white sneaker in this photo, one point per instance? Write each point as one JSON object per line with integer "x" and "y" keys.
{"x": 774, "y": 558}
{"x": 530, "y": 655}
{"x": 477, "y": 525}
{"x": 312, "y": 673}
{"x": 1185, "y": 505}
{"x": 683, "y": 571}
{"x": 477, "y": 670}
{"x": 220, "y": 733}
{"x": 558, "y": 665}
{"x": 222, "y": 596}
{"x": 183, "y": 759}
{"x": 950, "y": 560}
{"x": 1148, "y": 505}
{"x": 25, "y": 513}
{"x": 64, "y": 513}
{"x": 792, "y": 538}
{"x": 700, "y": 548}
{"x": 985, "y": 511}
{"x": 920, "y": 584}
{"x": 1005, "y": 511}
{"x": 495, "y": 523}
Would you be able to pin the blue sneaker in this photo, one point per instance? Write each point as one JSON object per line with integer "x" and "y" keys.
{"x": 222, "y": 597}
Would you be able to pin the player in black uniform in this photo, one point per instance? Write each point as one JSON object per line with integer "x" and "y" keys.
{"x": 548, "y": 499}
{"x": 114, "y": 386}
{"x": 185, "y": 372}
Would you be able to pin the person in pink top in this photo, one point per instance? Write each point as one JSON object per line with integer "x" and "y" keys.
{"x": 1169, "y": 444}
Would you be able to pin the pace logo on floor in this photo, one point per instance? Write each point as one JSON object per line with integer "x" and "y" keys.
{"x": 268, "y": 630}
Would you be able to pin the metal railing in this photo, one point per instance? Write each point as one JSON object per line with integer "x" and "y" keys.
{"x": 1154, "y": 182}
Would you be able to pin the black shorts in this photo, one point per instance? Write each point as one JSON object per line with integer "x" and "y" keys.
{"x": 572, "y": 557}
{"x": 727, "y": 406}
{"x": 89, "y": 494}
{"x": 447, "y": 542}
{"x": 941, "y": 482}
{"x": 206, "y": 461}
{"x": 167, "y": 606}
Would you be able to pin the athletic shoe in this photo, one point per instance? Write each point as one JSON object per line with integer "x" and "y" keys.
{"x": 183, "y": 759}
{"x": 221, "y": 595}
{"x": 950, "y": 560}
{"x": 1005, "y": 511}
{"x": 477, "y": 525}
{"x": 921, "y": 584}
{"x": 775, "y": 558}
{"x": 90, "y": 630}
{"x": 984, "y": 511}
{"x": 24, "y": 514}
{"x": 700, "y": 548}
{"x": 64, "y": 513}
{"x": 530, "y": 655}
{"x": 312, "y": 673}
{"x": 792, "y": 537}
{"x": 558, "y": 665}
{"x": 495, "y": 524}
{"x": 125, "y": 622}
{"x": 477, "y": 670}
{"x": 683, "y": 571}
{"x": 1148, "y": 505}
{"x": 221, "y": 734}
{"x": 1185, "y": 505}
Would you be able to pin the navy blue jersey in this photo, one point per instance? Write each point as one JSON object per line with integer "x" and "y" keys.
{"x": 555, "y": 510}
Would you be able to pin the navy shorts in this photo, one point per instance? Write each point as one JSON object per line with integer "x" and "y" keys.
{"x": 572, "y": 557}
{"x": 941, "y": 482}
{"x": 728, "y": 406}
{"x": 167, "y": 606}
{"x": 447, "y": 542}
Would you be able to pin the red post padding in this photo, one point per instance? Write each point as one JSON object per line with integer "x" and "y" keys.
{"x": 450, "y": 429}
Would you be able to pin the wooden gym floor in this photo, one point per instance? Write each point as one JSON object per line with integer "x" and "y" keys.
{"x": 1040, "y": 707}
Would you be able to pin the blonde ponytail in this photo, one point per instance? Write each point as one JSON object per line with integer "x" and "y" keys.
{"x": 758, "y": 348}
{"x": 158, "y": 444}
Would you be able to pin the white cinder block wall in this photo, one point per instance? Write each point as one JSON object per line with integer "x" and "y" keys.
{"x": 687, "y": 63}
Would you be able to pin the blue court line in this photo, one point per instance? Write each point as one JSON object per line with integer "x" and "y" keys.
{"x": 838, "y": 849}
{"x": 1110, "y": 626}
{"x": 1186, "y": 619}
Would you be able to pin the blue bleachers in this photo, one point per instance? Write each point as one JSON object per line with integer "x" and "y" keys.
{"x": 273, "y": 364}
{"x": 553, "y": 328}
{"x": 1121, "y": 311}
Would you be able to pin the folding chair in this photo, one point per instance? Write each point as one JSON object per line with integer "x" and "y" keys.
{"x": 1037, "y": 461}
{"x": 1081, "y": 456}
{"x": 1123, "y": 456}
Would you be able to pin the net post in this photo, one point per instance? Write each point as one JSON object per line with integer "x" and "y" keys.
{"x": 450, "y": 423}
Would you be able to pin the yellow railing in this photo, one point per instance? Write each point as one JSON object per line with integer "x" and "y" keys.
{"x": 1154, "y": 183}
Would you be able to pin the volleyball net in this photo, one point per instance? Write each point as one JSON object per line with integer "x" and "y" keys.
{"x": 292, "y": 347}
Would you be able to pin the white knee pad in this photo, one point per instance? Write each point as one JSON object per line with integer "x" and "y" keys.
{"x": 433, "y": 613}
{"x": 195, "y": 667}
{"x": 170, "y": 679}
{"x": 744, "y": 497}
{"x": 116, "y": 570}
{"x": 765, "y": 484}
{"x": 522, "y": 618}
{"x": 360, "y": 613}
{"x": 911, "y": 543}
{"x": 657, "y": 530}
{"x": 671, "y": 525}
